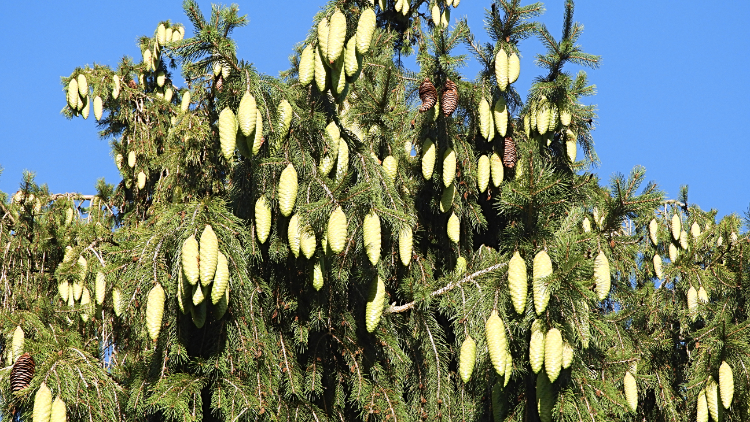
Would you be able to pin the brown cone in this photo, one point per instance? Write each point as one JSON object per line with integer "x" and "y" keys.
{"x": 509, "y": 154}
{"x": 22, "y": 372}
{"x": 428, "y": 95}
{"x": 450, "y": 98}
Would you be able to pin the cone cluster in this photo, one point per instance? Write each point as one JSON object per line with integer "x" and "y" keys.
{"x": 204, "y": 276}
{"x": 335, "y": 62}
{"x": 74, "y": 290}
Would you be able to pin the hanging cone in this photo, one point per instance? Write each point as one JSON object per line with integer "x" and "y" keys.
{"x": 428, "y": 158}
{"x": 428, "y": 95}
{"x": 517, "y": 282}
{"x": 336, "y": 36}
{"x": 287, "y": 190}
{"x": 246, "y": 113}
{"x": 510, "y": 156}
{"x": 494, "y": 330}
{"x": 115, "y": 87}
{"x": 375, "y": 303}
{"x": 485, "y": 118}
{"x": 631, "y": 391}
{"x": 653, "y": 226}
{"x": 262, "y": 219}
{"x": 323, "y": 29}
{"x": 337, "y": 231}
{"x": 514, "y": 68}
{"x": 208, "y": 255}
{"x": 483, "y": 173}
{"x": 712, "y": 398}
{"x": 42, "y": 404}
{"x": 602, "y": 276}
{"x": 365, "y": 29}
{"x": 541, "y": 270}
{"x": 500, "y": 116}
{"x": 22, "y": 372}
{"x": 726, "y": 384}
{"x": 307, "y": 65}
{"x": 320, "y": 68}
{"x": 496, "y": 169}
{"x": 501, "y": 69}
{"x": 317, "y": 279}
{"x": 58, "y": 412}
{"x": 450, "y": 98}
{"x": 221, "y": 279}
{"x": 676, "y": 227}
{"x": 536, "y": 346}
{"x": 449, "y": 167}
{"x": 467, "y": 358}
{"x": 405, "y": 245}
{"x": 371, "y": 236}
{"x": 155, "y": 311}
{"x": 701, "y": 414}
{"x": 293, "y": 235}
{"x": 553, "y": 353}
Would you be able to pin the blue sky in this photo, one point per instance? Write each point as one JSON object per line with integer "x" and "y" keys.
{"x": 672, "y": 89}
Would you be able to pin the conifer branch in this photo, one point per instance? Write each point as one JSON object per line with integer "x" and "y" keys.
{"x": 478, "y": 50}
{"x": 96, "y": 254}
{"x": 448, "y": 287}
{"x": 588, "y": 405}
{"x": 7, "y": 213}
{"x": 286, "y": 363}
{"x": 665, "y": 401}
{"x": 437, "y": 357}
{"x": 354, "y": 360}
{"x": 390, "y": 405}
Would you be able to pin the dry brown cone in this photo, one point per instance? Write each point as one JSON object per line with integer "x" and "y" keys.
{"x": 22, "y": 372}
{"x": 428, "y": 95}
{"x": 510, "y": 155}
{"x": 131, "y": 84}
{"x": 450, "y": 98}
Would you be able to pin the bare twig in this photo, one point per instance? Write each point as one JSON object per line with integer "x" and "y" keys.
{"x": 450, "y": 286}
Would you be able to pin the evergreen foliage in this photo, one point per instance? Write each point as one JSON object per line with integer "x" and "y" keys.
{"x": 403, "y": 264}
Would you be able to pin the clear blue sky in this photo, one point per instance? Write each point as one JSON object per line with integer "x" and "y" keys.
{"x": 673, "y": 87}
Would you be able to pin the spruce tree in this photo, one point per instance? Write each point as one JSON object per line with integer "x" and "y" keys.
{"x": 691, "y": 320}
{"x": 357, "y": 241}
